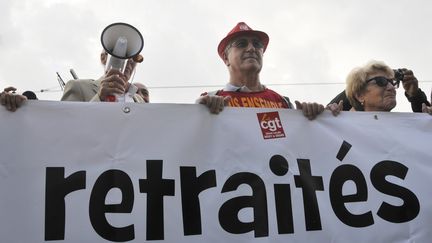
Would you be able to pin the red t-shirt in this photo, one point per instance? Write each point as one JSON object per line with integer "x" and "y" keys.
{"x": 261, "y": 99}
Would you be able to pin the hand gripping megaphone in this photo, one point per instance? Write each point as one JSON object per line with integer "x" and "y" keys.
{"x": 121, "y": 41}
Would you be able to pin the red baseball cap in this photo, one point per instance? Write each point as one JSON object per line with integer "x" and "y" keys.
{"x": 241, "y": 29}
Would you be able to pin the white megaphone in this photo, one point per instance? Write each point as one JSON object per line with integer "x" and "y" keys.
{"x": 121, "y": 41}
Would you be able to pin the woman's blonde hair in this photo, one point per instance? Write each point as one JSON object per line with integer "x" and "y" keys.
{"x": 356, "y": 80}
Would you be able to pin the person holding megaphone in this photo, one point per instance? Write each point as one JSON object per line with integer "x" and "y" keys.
{"x": 113, "y": 82}
{"x": 122, "y": 44}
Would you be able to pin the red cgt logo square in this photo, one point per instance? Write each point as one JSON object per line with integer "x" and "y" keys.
{"x": 271, "y": 125}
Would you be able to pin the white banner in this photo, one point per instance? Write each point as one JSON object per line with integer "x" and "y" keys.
{"x": 104, "y": 172}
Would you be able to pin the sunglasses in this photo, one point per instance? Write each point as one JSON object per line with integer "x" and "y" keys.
{"x": 243, "y": 43}
{"x": 383, "y": 81}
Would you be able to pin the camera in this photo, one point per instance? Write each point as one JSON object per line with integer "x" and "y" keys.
{"x": 398, "y": 74}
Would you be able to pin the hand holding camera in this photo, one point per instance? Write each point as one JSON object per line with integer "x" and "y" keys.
{"x": 409, "y": 81}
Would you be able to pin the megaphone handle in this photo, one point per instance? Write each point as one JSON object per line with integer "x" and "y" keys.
{"x": 110, "y": 98}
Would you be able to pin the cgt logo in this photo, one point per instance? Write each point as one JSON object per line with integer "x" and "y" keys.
{"x": 271, "y": 125}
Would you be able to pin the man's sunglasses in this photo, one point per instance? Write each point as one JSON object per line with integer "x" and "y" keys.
{"x": 383, "y": 81}
{"x": 243, "y": 43}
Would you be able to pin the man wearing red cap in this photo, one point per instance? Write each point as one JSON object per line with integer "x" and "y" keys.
{"x": 242, "y": 52}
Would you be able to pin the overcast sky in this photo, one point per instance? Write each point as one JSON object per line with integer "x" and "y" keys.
{"x": 316, "y": 42}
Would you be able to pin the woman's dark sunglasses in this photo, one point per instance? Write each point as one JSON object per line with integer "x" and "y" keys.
{"x": 383, "y": 81}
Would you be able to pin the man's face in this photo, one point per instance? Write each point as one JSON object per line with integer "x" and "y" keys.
{"x": 245, "y": 53}
{"x": 128, "y": 68}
